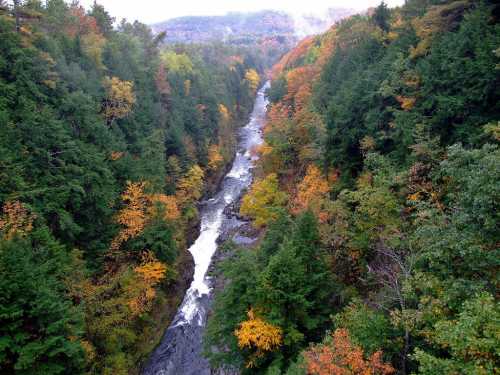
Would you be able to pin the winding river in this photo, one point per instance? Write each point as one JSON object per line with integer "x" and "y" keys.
{"x": 180, "y": 350}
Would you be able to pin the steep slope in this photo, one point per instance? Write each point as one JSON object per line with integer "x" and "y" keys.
{"x": 107, "y": 143}
{"x": 378, "y": 201}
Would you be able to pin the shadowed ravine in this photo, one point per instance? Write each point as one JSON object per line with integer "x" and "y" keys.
{"x": 180, "y": 350}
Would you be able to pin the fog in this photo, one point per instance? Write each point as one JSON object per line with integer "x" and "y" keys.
{"x": 151, "y": 11}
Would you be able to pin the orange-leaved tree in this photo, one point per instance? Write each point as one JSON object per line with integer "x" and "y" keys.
{"x": 139, "y": 207}
{"x": 167, "y": 204}
{"x": 132, "y": 217}
{"x": 16, "y": 219}
{"x": 312, "y": 192}
{"x": 341, "y": 357}
{"x": 79, "y": 23}
{"x": 258, "y": 336}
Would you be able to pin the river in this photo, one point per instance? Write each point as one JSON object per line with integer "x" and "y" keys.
{"x": 180, "y": 350}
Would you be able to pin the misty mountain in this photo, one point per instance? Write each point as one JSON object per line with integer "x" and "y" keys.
{"x": 246, "y": 28}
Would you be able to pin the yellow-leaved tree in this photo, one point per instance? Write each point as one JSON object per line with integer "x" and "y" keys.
{"x": 148, "y": 274}
{"x": 119, "y": 98}
{"x": 215, "y": 159}
{"x": 224, "y": 113}
{"x": 253, "y": 79}
{"x": 93, "y": 46}
{"x": 263, "y": 200}
{"x": 227, "y": 139}
{"x": 258, "y": 336}
{"x": 113, "y": 304}
{"x": 190, "y": 187}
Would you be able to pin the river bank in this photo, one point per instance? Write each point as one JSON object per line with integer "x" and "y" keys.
{"x": 172, "y": 294}
{"x": 180, "y": 350}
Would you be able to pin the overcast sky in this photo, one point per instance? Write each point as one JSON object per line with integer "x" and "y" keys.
{"x": 151, "y": 11}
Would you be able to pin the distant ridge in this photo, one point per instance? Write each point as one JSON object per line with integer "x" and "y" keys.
{"x": 247, "y": 28}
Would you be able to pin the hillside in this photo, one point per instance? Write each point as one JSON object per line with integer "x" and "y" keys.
{"x": 108, "y": 140}
{"x": 377, "y": 200}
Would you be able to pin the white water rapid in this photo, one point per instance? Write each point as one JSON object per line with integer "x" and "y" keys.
{"x": 180, "y": 351}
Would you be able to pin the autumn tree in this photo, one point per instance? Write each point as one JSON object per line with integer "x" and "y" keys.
{"x": 253, "y": 79}
{"x": 177, "y": 62}
{"x": 80, "y": 23}
{"x": 227, "y": 139}
{"x": 190, "y": 187}
{"x": 149, "y": 273}
{"x": 339, "y": 356}
{"x": 167, "y": 206}
{"x": 114, "y": 303}
{"x": 261, "y": 202}
{"x": 93, "y": 46}
{"x": 311, "y": 193}
{"x": 163, "y": 86}
{"x": 258, "y": 336}
{"x": 15, "y": 220}
{"x": 215, "y": 158}
{"x": 119, "y": 98}
{"x": 132, "y": 217}
{"x": 140, "y": 209}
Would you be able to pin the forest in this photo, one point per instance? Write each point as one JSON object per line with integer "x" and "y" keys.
{"x": 377, "y": 198}
{"x": 108, "y": 139}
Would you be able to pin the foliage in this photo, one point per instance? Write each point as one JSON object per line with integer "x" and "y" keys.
{"x": 103, "y": 153}
{"x": 383, "y": 133}
{"x": 311, "y": 192}
{"x": 369, "y": 328}
{"x": 119, "y": 98}
{"x": 280, "y": 282}
{"x": 262, "y": 201}
{"x": 133, "y": 216}
{"x": 16, "y": 220}
{"x": 340, "y": 356}
{"x": 257, "y": 333}
{"x": 191, "y": 185}
{"x": 215, "y": 159}
{"x": 40, "y": 327}
{"x": 253, "y": 79}
{"x": 150, "y": 272}
{"x": 472, "y": 340}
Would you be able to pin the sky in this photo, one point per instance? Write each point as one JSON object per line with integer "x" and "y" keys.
{"x": 151, "y": 11}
